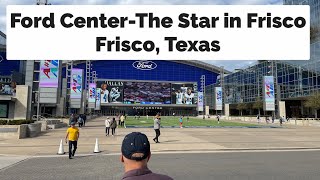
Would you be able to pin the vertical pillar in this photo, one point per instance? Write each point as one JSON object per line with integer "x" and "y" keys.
{"x": 29, "y": 82}
{"x": 22, "y": 100}
{"x": 282, "y": 108}
{"x": 227, "y": 110}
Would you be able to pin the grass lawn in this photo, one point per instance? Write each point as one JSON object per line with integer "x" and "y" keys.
{"x": 174, "y": 121}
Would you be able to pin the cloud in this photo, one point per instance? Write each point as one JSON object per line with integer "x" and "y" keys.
{"x": 232, "y": 65}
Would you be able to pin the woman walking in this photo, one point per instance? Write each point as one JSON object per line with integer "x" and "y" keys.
{"x": 107, "y": 123}
{"x": 113, "y": 126}
{"x": 156, "y": 127}
{"x": 80, "y": 121}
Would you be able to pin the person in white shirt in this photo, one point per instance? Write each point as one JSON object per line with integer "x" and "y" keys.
{"x": 107, "y": 123}
{"x": 104, "y": 94}
{"x": 189, "y": 96}
{"x": 179, "y": 97}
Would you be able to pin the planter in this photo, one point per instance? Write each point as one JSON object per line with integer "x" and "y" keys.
{"x": 34, "y": 129}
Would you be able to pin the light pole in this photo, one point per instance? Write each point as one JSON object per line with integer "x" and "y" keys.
{"x": 203, "y": 88}
{"x": 40, "y": 2}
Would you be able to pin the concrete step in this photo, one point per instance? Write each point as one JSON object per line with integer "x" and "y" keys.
{"x": 56, "y": 126}
{"x": 53, "y": 121}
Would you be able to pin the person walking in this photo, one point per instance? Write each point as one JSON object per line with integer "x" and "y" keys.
{"x": 118, "y": 119}
{"x": 107, "y": 124}
{"x": 135, "y": 155}
{"x": 180, "y": 121}
{"x": 218, "y": 118}
{"x": 72, "y": 137}
{"x": 258, "y": 118}
{"x": 71, "y": 119}
{"x": 156, "y": 127}
{"x": 122, "y": 120}
{"x": 80, "y": 121}
{"x": 272, "y": 119}
{"x": 113, "y": 126}
{"x": 84, "y": 117}
{"x": 280, "y": 120}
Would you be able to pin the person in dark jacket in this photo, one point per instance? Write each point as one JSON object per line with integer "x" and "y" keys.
{"x": 135, "y": 155}
{"x": 84, "y": 117}
{"x": 113, "y": 126}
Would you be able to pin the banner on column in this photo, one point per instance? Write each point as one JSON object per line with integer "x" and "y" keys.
{"x": 268, "y": 93}
{"x": 76, "y": 83}
{"x": 218, "y": 98}
{"x": 49, "y": 73}
{"x": 98, "y": 99}
{"x": 92, "y": 95}
{"x": 200, "y": 101}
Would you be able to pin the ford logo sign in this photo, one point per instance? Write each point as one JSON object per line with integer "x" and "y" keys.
{"x": 144, "y": 65}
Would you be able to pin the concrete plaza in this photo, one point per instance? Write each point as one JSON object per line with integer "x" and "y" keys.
{"x": 172, "y": 139}
{"x": 204, "y": 153}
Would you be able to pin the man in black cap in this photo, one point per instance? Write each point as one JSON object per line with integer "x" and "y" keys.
{"x": 135, "y": 156}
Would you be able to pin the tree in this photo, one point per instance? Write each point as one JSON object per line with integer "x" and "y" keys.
{"x": 313, "y": 102}
{"x": 241, "y": 107}
{"x": 258, "y": 104}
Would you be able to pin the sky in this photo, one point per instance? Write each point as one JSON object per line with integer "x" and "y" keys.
{"x": 229, "y": 65}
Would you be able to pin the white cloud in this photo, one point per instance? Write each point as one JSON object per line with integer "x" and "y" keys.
{"x": 232, "y": 65}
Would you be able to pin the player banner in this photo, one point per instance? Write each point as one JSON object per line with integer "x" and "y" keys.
{"x": 182, "y": 93}
{"x": 76, "y": 83}
{"x": 200, "y": 101}
{"x": 49, "y": 73}
{"x": 268, "y": 93}
{"x": 218, "y": 98}
{"x": 92, "y": 93}
{"x": 111, "y": 92}
{"x": 98, "y": 99}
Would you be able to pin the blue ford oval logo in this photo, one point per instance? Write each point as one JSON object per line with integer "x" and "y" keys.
{"x": 144, "y": 65}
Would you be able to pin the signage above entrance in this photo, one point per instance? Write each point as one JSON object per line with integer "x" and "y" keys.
{"x": 144, "y": 65}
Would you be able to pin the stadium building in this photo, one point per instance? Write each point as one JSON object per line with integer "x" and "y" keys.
{"x": 126, "y": 86}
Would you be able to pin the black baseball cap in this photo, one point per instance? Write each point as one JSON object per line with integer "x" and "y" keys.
{"x": 135, "y": 146}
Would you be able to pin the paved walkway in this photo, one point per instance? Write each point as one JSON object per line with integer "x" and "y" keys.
{"x": 186, "y": 139}
{"x": 182, "y": 166}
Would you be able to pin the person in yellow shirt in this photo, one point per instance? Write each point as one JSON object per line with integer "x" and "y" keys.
{"x": 122, "y": 120}
{"x": 72, "y": 136}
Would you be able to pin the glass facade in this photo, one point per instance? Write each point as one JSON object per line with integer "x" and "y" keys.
{"x": 2, "y": 39}
{"x": 315, "y": 31}
{"x": 292, "y": 83}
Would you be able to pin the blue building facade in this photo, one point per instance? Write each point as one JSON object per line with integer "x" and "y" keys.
{"x": 7, "y": 67}
{"x": 164, "y": 71}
